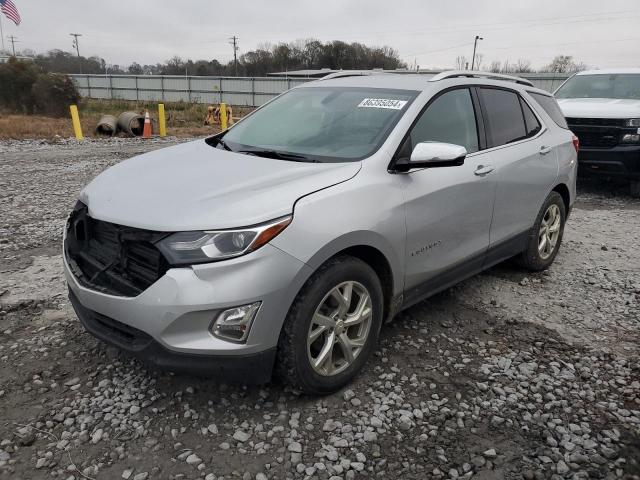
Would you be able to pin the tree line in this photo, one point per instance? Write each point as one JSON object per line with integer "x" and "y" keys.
{"x": 559, "y": 64}
{"x": 267, "y": 58}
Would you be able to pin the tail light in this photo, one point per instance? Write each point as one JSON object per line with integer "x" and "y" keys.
{"x": 576, "y": 143}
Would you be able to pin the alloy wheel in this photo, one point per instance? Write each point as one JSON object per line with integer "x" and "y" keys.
{"x": 339, "y": 328}
{"x": 549, "y": 231}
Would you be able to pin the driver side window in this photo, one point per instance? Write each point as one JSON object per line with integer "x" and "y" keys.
{"x": 450, "y": 118}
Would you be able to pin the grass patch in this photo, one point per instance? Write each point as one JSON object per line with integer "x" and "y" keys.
{"x": 183, "y": 119}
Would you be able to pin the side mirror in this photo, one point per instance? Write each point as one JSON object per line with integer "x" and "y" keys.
{"x": 432, "y": 155}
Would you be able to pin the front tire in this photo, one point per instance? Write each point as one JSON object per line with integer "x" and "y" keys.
{"x": 332, "y": 328}
{"x": 545, "y": 236}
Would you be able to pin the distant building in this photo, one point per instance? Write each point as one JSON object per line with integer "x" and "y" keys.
{"x": 4, "y": 58}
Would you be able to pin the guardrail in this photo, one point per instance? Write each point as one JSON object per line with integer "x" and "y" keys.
{"x": 241, "y": 91}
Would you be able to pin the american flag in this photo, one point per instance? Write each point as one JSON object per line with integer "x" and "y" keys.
{"x": 9, "y": 9}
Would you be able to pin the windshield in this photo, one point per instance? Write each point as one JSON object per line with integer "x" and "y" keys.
{"x": 322, "y": 124}
{"x": 622, "y": 86}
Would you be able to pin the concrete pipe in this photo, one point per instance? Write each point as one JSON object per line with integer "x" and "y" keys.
{"x": 131, "y": 123}
{"x": 107, "y": 126}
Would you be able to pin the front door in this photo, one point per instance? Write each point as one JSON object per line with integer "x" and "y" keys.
{"x": 448, "y": 209}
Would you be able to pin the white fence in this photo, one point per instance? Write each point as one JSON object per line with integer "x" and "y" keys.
{"x": 240, "y": 91}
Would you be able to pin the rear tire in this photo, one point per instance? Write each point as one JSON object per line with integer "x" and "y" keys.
{"x": 545, "y": 236}
{"x": 321, "y": 329}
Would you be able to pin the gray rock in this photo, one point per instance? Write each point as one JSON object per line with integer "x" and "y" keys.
{"x": 241, "y": 436}
{"x": 295, "y": 447}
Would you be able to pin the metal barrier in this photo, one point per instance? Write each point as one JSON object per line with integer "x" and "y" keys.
{"x": 245, "y": 91}
{"x": 239, "y": 91}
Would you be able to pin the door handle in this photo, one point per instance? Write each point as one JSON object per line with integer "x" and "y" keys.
{"x": 483, "y": 170}
{"x": 544, "y": 150}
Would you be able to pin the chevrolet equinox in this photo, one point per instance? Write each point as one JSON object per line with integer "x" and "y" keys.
{"x": 283, "y": 243}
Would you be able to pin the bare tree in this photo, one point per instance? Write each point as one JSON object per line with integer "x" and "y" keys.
{"x": 478, "y": 63}
{"x": 461, "y": 62}
{"x": 495, "y": 66}
{"x": 564, "y": 64}
{"x": 523, "y": 66}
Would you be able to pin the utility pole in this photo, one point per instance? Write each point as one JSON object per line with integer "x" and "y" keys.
{"x": 77, "y": 47}
{"x": 475, "y": 44}
{"x": 13, "y": 43}
{"x": 75, "y": 42}
{"x": 234, "y": 42}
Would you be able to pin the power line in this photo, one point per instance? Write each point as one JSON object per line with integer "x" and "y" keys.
{"x": 234, "y": 42}
{"x": 13, "y": 43}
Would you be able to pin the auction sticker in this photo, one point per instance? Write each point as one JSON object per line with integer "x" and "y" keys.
{"x": 382, "y": 103}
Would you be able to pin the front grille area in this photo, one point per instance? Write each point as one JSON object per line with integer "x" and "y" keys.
{"x": 600, "y": 122}
{"x": 597, "y": 132}
{"x": 112, "y": 258}
{"x": 599, "y": 139}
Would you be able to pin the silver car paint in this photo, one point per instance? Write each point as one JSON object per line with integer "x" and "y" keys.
{"x": 193, "y": 186}
{"x": 335, "y": 206}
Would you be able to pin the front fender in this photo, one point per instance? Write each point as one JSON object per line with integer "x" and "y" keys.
{"x": 360, "y": 212}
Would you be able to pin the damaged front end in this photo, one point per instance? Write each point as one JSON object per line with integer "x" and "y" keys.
{"x": 109, "y": 258}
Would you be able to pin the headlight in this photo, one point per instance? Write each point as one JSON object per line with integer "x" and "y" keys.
{"x": 632, "y": 122}
{"x": 186, "y": 248}
{"x": 631, "y": 138}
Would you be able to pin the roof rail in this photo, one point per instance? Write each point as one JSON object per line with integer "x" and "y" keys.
{"x": 476, "y": 74}
{"x": 351, "y": 73}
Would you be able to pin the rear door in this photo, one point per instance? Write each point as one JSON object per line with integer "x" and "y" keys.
{"x": 525, "y": 167}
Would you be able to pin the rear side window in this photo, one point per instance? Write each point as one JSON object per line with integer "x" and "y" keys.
{"x": 552, "y": 108}
{"x": 450, "y": 119}
{"x": 504, "y": 116}
{"x": 530, "y": 120}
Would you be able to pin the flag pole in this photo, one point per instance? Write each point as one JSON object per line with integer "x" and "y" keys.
{"x": 1, "y": 34}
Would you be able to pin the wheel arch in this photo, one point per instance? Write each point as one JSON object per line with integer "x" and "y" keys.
{"x": 373, "y": 250}
{"x": 563, "y": 191}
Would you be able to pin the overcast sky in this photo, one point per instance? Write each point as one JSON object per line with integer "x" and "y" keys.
{"x": 601, "y": 33}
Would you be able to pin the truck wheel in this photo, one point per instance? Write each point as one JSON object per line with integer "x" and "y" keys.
{"x": 546, "y": 234}
{"x": 332, "y": 327}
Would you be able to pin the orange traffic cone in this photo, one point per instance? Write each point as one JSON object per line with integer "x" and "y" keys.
{"x": 146, "y": 131}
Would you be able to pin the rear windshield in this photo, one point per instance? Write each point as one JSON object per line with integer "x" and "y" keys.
{"x": 550, "y": 106}
{"x": 322, "y": 123}
{"x": 621, "y": 86}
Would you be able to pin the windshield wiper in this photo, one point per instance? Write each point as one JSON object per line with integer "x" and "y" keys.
{"x": 263, "y": 152}
{"x": 224, "y": 145}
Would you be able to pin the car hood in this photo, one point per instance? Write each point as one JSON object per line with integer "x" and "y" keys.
{"x": 194, "y": 186}
{"x": 599, "y": 108}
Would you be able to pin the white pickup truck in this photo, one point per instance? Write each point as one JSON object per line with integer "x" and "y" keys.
{"x": 602, "y": 108}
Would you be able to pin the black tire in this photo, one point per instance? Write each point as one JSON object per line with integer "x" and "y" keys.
{"x": 292, "y": 363}
{"x": 531, "y": 258}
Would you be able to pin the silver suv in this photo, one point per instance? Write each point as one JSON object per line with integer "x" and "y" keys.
{"x": 286, "y": 240}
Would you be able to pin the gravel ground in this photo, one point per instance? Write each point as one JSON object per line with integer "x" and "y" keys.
{"x": 507, "y": 375}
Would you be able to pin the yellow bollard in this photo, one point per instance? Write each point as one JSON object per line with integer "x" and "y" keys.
{"x": 223, "y": 116}
{"x": 75, "y": 120}
{"x": 162, "y": 126}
